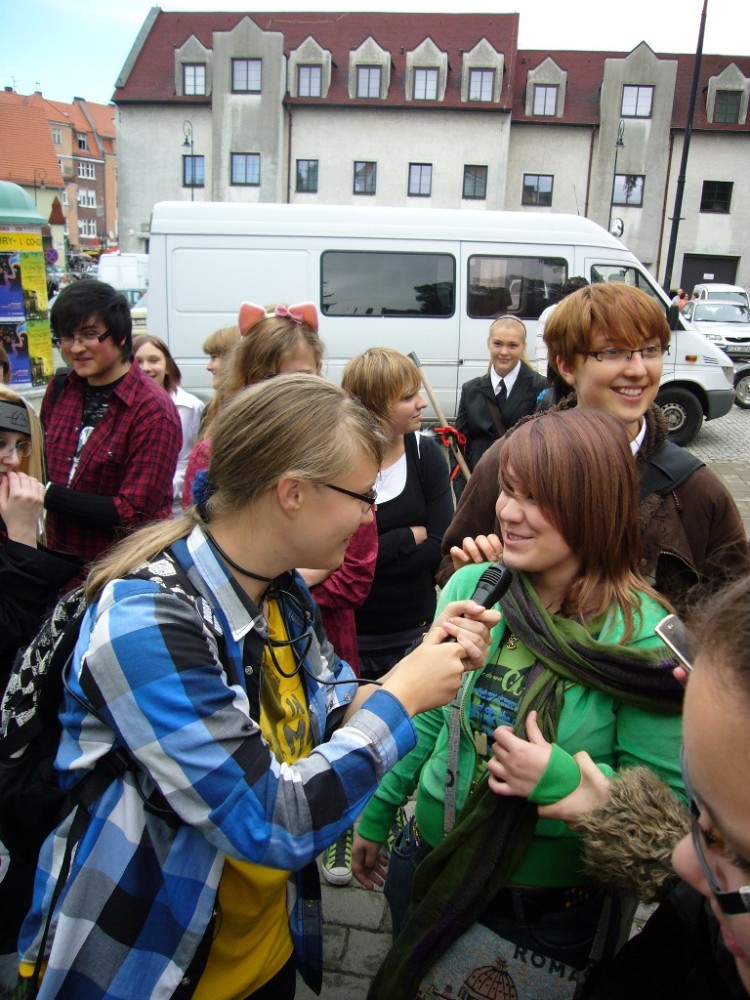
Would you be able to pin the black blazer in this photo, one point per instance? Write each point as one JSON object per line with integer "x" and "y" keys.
{"x": 478, "y": 415}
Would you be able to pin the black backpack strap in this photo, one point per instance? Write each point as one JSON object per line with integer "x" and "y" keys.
{"x": 667, "y": 469}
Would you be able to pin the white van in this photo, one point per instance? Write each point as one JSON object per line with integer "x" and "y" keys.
{"x": 424, "y": 281}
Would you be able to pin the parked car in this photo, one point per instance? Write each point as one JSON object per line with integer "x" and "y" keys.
{"x": 725, "y": 323}
{"x": 138, "y": 314}
{"x": 727, "y": 293}
{"x": 742, "y": 386}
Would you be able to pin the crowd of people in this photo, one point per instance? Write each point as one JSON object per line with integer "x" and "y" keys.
{"x": 281, "y": 639}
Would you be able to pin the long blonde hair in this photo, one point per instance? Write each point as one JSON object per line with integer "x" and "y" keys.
{"x": 256, "y": 441}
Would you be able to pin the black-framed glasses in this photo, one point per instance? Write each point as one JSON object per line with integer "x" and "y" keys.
{"x": 87, "y": 339}
{"x": 368, "y": 500}
{"x": 21, "y": 448}
{"x": 731, "y": 903}
{"x": 616, "y": 355}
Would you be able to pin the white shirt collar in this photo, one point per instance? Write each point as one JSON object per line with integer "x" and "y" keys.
{"x": 637, "y": 441}
{"x": 509, "y": 379}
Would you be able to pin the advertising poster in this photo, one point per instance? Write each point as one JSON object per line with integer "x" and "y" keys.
{"x": 11, "y": 291}
{"x": 15, "y": 339}
{"x": 24, "y": 321}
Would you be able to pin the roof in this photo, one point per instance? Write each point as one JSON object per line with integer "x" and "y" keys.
{"x": 148, "y": 75}
{"x": 585, "y": 75}
{"x": 28, "y": 156}
{"x": 151, "y": 76}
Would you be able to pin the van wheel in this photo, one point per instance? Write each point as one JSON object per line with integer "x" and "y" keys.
{"x": 683, "y": 412}
{"x": 742, "y": 390}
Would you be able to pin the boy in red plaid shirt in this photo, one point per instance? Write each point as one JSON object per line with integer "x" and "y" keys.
{"x": 112, "y": 434}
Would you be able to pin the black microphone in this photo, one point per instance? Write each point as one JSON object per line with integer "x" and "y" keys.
{"x": 492, "y": 584}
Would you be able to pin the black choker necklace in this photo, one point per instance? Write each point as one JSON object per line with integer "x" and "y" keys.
{"x": 234, "y": 565}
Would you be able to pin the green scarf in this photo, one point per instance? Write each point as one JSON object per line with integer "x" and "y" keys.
{"x": 457, "y": 881}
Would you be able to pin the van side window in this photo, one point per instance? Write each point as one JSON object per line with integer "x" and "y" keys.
{"x": 521, "y": 286}
{"x": 387, "y": 284}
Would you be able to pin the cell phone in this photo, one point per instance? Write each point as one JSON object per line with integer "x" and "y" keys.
{"x": 674, "y": 634}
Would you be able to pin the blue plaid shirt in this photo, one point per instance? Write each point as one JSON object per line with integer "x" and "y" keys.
{"x": 141, "y": 894}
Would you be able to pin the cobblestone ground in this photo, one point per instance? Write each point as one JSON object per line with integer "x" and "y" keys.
{"x": 724, "y": 444}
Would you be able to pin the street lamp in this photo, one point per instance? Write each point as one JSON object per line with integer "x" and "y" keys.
{"x": 187, "y": 131}
{"x": 618, "y": 146}
{"x": 40, "y": 174}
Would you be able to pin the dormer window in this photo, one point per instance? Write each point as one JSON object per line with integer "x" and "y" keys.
{"x": 426, "y": 84}
{"x": 545, "y": 100}
{"x": 194, "y": 79}
{"x": 481, "y": 84}
{"x": 309, "y": 81}
{"x": 368, "y": 81}
{"x": 727, "y": 107}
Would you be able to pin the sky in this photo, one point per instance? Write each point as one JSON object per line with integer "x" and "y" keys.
{"x": 68, "y": 48}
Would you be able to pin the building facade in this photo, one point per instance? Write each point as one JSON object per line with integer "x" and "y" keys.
{"x": 65, "y": 156}
{"x": 435, "y": 110}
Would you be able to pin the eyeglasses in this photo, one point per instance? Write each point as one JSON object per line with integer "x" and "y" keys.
{"x": 87, "y": 339}
{"x": 368, "y": 500}
{"x": 616, "y": 356}
{"x": 21, "y": 448}
{"x": 731, "y": 903}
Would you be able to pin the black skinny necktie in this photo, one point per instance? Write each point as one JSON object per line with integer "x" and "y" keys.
{"x": 501, "y": 395}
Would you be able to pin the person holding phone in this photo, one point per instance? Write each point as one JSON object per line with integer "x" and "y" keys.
{"x": 696, "y": 945}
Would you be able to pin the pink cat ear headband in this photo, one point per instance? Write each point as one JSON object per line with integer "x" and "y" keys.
{"x": 303, "y": 312}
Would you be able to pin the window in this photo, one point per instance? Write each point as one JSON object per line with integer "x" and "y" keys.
{"x": 193, "y": 171}
{"x": 86, "y": 198}
{"x": 365, "y": 177}
{"x": 419, "y": 285}
{"x": 522, "y": 286}
{"x": 246, "y": 76}
{"x": 307, "y": 175}
{"x": 87, "y": 228}
{"x": 727, "y": 107}
{"x": 86, "y": 169}
{"x": 57, "y": 136}
{"x": 420, "y": 180}
{"x": 636, "y": 102}
{"x": 628, "y": 275}
{"x": 82, "y": 140}
{"x": 425, "y": 84}
{"x": 309, "y": 81}
{"x": 475, "y": 182}
{"x": 481, "y": 84}
{"x": 545, "y": 100}
{"x": 246, "y": 169}
{"x": 628, "y": 190}
{"x": 65, "y": 197}
{"x": 194, "y": 79}
{"x": 368, "y": 81}
{"x": 537, "y": 189}
{"x": 716, "y": 196}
